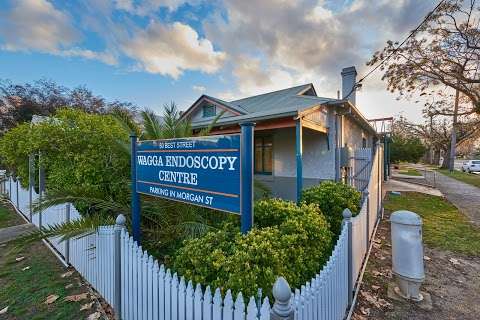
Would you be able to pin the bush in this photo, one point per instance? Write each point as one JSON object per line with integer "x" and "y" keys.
{"x": 333, "y": 198}
{"x": 80, "y": 151}
{"x": 289, "y": 241}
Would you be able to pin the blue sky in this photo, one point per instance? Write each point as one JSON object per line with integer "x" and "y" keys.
{"x": 152, "y": 52}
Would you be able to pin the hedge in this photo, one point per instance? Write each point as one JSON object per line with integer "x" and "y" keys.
{"x": 287, "y": 240}
{"x": 332, "y": 198}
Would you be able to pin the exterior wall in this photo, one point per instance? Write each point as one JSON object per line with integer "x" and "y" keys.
{"x": 353, "y": 134}
{"x": 318, "y": 162}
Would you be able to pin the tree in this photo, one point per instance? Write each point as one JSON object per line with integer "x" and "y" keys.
{"x": 442, "y": 59}
{"x": 18, "y": 103}
{"x": 87, "y": 161}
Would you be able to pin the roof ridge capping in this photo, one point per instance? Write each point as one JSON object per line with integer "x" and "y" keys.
{"x": 301, "y": 88}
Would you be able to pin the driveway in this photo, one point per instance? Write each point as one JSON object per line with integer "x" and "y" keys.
{"x": 464, "y": 196}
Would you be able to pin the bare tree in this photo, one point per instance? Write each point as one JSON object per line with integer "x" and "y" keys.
{"x": 442, "y": 60}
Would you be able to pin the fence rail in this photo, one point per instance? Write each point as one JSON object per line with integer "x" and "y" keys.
{"x": 139, "y": 287}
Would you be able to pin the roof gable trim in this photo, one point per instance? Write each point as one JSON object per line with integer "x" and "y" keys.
{"x": 205, "y": 98}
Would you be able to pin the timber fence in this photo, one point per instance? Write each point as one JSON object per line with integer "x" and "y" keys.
{"x": 137, "y": 286}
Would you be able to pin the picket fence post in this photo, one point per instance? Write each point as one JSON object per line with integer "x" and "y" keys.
{"x": 347, "y": 219}
{"x": 67, "y": 241}
{"x": 282, "y": 307}
{"x": 366, "y": 197}
{"x": 119, "y": 226}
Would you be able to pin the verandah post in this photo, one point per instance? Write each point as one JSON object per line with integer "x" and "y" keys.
{"x": 246, "y": 178}
{"x": 299, "y": 160}
{"x": 347, "y": 219}
{"x": 117, "y": 304}
{"x": 135, "y": 202}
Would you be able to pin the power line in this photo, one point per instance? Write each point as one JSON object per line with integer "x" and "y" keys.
{"x": 412, "y": 33}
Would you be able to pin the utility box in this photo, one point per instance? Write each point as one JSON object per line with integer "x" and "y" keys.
{"x": 407, "y": 253}
{"x": 345, "y": 155}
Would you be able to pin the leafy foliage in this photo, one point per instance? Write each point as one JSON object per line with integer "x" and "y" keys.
{"x": 20, "y": 102}
{"x": 289, "y": 241}
{"x": 332, "y": 198}
{"x": 79, "y": 152}
{"x": 409, "y": 149}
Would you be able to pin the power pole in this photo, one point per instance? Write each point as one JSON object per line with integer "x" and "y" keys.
{"x": 453, "y": 142}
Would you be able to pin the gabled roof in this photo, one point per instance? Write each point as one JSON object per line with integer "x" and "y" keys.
{"x": 276, "y": 104}
{"x": 268, "y": 105}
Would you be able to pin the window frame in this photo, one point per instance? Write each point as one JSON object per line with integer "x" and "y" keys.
{"x": 208, "y": 106}
{"x": 262, "y": 172}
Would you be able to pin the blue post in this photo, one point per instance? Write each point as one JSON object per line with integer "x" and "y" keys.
{"x": 135, "y": 196}
{"x": 246, "y": 157}
{"x": 299, "y": 151}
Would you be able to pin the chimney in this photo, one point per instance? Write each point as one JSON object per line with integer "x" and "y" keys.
{"x": 349, "y": 77}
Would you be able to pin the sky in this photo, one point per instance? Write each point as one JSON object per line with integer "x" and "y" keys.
{"x": 152, "y": 52}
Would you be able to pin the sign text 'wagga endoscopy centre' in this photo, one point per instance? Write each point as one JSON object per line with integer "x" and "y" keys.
{"x": 203, "y": 171}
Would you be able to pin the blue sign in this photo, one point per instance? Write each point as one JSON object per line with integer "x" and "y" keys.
{"x": 204, "y": 171}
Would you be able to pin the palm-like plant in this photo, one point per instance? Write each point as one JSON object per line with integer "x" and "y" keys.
{"x": 164, "y": 222}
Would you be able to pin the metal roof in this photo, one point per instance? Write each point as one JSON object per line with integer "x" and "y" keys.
{"x": 277, "y": 104}
{"x": 269, "y": 105}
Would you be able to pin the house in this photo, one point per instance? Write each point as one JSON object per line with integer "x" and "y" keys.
{"x": 297, "y": 133}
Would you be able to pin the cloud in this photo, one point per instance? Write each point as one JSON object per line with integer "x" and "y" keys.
{"x": 200, "y": 89}
{"x": 149, "y": 7}
{"x": 306, "y": 41}
{"x": 36, "y": 25}
{"x": 170, "y": 49}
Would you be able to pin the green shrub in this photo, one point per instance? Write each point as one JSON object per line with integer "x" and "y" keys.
{"x": 333, "y": 198}
{"x": 296, "y": 249}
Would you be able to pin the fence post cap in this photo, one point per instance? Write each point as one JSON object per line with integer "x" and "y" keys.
{"x": 282, "y": 308}
{"x": 347, "y": 214}
{"x": 281, "y": 290}
{"x": 120, "y": 221}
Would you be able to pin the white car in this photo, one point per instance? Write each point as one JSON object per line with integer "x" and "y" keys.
{"x": 471, "y": 166}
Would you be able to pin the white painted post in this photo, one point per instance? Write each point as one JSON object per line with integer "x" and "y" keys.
{"x": 366, "y": 196}
{"x": 347, "y": 216}
{"x": 67, "y": 241}
{"x": 282, "y": 308}
{"x": 117, "y": 305}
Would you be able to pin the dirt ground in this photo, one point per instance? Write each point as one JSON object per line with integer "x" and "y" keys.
{"x": 452, "y": 281}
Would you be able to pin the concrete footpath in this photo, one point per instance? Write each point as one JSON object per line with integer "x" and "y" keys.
{"x": 11, "y": 233}
{"x": 462, "y": 195}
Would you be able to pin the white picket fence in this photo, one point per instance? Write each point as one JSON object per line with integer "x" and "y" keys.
{"x": 147, "y": 289}
{"x": 364, "y": 223}
{"x": 326, "y": 295}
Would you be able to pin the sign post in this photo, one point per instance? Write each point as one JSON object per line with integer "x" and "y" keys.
{"x": 215, "y": 172}
{"x": 135, "y": 203}
{"x": 247, "y": 177}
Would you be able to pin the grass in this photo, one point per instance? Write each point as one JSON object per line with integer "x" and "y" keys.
{"x": 470, "y": 178}
{"x": 444, "y": 227}
{"x": 8, "y": 219}
{"x": 25, "y": 291}
{"x": 410, "y": 172}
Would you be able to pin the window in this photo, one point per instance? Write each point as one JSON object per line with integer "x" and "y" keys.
{"x": 364, "y": 143}
{"x": 209, "y": 111}
{"x": 263, "y": 155}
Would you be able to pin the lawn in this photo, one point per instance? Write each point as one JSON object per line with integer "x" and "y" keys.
{"x": 8, "y": 219}
{"x": 444, "y": 226}
{"x": 26, "y": 284}
{"x": 410, "y": 172}
{"x": 470, "y": 178}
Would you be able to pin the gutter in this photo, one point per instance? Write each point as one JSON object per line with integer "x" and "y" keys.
{"x": 246, "y": 119}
